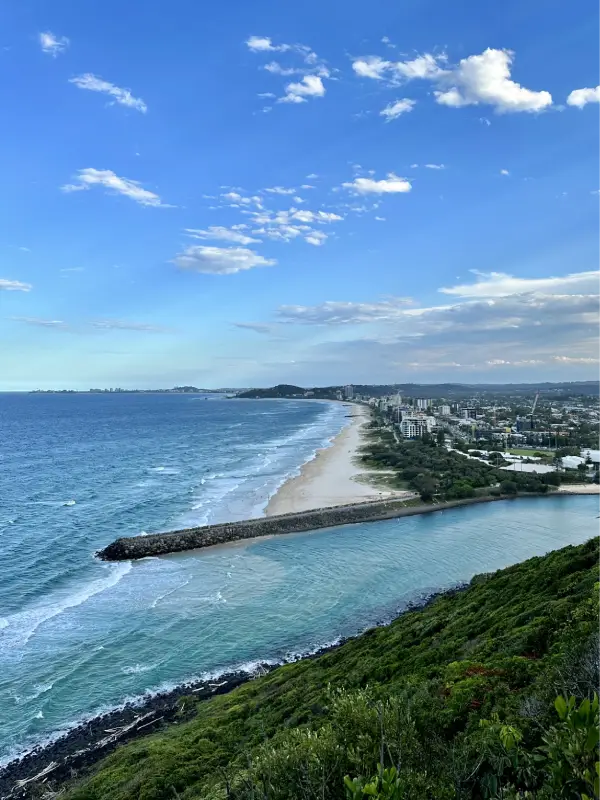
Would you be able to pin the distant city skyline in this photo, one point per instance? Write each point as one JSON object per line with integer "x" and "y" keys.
{"x": 238, "y": 195}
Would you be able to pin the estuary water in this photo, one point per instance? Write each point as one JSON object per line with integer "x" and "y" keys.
{"x": 78, "y": 637}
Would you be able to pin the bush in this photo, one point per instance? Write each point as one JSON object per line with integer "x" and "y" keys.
{"x": 460, "y": 490}
{"x": 508, "y": 487}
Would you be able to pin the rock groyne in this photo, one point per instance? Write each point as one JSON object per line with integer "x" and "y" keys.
{"x": 158, "y": 544}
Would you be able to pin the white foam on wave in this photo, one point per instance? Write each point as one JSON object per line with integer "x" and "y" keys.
{"x": 38, "y": 689}
{"x": 166, "y": 594}
{"x": 250, "y": 668}
{"x": 23, "y": 624}
{"x": 136, "y": 669}
{"x": 245, "y": 490}
{"x": 69, "y": 503}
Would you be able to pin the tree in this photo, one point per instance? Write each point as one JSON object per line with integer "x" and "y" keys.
{"x": 441, "y": 438}
{"x": 508, "y": 487}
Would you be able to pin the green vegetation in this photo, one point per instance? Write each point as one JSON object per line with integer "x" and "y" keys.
{"x": 425, "y": 466}
{"x": 281, "y": 390}
{"x": 546, "y": 454}
{"x": 484, "y": 693}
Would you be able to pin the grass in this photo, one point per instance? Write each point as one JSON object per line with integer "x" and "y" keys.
{"x": 547, "y": 454}
{"x": 508, "y": 643}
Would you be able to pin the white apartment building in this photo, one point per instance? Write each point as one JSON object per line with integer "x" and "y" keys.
{"x": 445, "y": 411}
{"x": 413, "y": 426}
{"x": 349, "y": 392}
{"x": 423, "y": 403}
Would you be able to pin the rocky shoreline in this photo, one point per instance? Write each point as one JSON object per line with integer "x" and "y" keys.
{"x": 72, "y": 755}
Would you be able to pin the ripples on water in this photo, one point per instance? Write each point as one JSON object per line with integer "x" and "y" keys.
{"x": 78, "y": 636}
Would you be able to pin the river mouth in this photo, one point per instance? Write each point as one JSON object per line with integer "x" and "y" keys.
{"x": 161, "y": 622}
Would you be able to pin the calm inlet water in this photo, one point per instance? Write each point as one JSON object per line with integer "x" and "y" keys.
{"x": 78, "y": 636}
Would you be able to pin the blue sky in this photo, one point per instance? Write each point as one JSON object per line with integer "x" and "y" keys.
{"x": 240, "y": 194}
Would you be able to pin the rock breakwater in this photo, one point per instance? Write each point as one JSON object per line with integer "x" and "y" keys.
{"x": 157, "y": 544}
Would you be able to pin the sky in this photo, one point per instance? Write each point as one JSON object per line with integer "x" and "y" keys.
{"x": 249, "y": 193}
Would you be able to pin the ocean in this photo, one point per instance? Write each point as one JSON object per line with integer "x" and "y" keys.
{"x": 78, "y": 637}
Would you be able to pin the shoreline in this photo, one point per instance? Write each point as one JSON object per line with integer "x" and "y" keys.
{"x": 332, "y": 477}
{"x": 91, "y": 740}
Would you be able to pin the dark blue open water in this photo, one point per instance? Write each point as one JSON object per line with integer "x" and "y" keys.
{"x": 78, "y": 636}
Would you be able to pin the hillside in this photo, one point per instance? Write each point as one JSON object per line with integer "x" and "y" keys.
{"x": 459, "y": 695}
{"x": 281, "y": 390}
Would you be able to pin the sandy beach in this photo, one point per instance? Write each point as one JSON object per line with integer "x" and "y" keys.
{"x": 334, "y": 477}
{"x": 580, "y": 488}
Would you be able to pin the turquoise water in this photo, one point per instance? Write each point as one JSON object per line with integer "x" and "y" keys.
{"x": 80, "y": 636}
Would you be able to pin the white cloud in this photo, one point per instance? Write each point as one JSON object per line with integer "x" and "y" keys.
{"x": 239, "y": 200}
{"x": 309, "y": 86}
{"x": 344, "y": 313}
{"x": 263, "y": 44}
{"x": 572, "y": 360}
{"x": 105, "y": 177}
{"x": 425, "y": 66}
{"x": 485, "y": 79}
{"x": 395, "y": 109}
{"x": 275, "y": 68}
{"x": 121, "y": 96}
{"x": 435, "y": 166}
{"x": 14, "y": 286}
{"x": 314, "y": 216}
{"x": 312, "y": 70}
{"x": 280, "y": 190}
{"x": 581, "y": 97}
{"x": 124, "y": 325}
{"x": 316, "y": 238}
{"x": 307, "y": 186}
{"x": 504, "y": 172}
{"x": 371, "y": 67}
{"x": 220, "y": 260}
{"x": 512, "y": 331}
{"x": 42, "y": 323}
{"x": 390, "y": 185}
{"x": 51, "y": 44}
{"x": 220, "y": 233}
{"x": 257, "y": 327}
{"x": 498, "y": 284}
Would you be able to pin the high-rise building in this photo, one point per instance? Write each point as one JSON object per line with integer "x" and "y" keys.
{"x": 413, "y": 426}
{"x": 349, "y": 391}
{"x": 445, "y": 411}
{"x": 423, "y": 403}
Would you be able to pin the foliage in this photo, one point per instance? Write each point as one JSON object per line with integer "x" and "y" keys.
{"x": 450, "y": 702}
{"x": 433, "y": 471}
